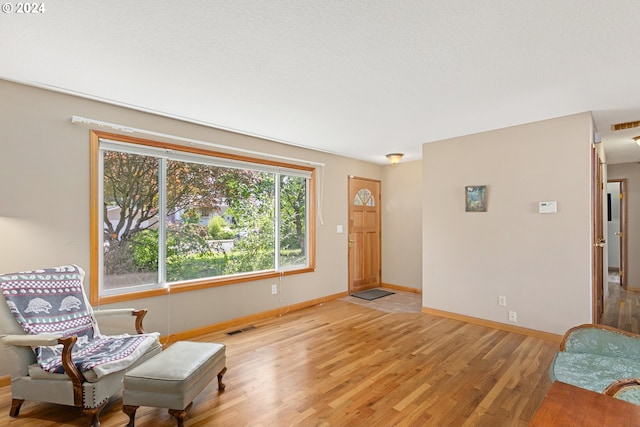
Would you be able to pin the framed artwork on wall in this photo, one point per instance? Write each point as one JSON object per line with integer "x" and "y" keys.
{"x": 475, "y": 198}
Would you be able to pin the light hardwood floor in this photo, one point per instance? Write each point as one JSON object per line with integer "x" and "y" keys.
{"x": 621, "y": 308}
{"x": 344, "y": 364}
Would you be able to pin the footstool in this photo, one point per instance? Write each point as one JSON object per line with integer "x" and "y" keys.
{"x": 173, "y": 378}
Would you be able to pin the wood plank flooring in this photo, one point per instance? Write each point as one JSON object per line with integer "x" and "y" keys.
{"x": 621, "y": 308}
{"x": 344, "y": 364}
{"x": 398, "y": 302}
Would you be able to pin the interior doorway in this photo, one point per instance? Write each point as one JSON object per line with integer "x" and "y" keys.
{"x": 365, "y": 244}
{"x": 616, "y": 230}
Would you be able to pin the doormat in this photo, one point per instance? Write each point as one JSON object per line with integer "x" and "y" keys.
{"x": 372, "y": 294}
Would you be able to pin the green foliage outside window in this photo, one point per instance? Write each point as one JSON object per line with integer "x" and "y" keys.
{"x": 131, "y": 197}
{"x": 219, "y": 229}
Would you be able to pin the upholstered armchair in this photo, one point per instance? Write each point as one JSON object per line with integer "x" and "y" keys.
{"x": 601, "y": 359}
{"x": 50, "y": 340}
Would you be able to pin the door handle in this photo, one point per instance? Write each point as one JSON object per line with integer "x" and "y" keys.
{"x": 352, "y": 240}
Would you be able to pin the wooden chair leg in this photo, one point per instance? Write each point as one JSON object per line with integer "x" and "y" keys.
{"x": 221, "y": 385}
{"x": 94, "y": 413}
{"x": 131, "y": 412}
{"x": 16, "y": 404}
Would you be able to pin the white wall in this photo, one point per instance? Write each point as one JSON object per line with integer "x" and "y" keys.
{"x": 462, "y": 261}
{"x": 44, "y": 205}
{"x": 541, "y": 263}
{"x": 402, "y": 225}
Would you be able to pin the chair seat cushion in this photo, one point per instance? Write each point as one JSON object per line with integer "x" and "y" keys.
{"x": 592, "y": 371}
{"x": 35, "y": 371}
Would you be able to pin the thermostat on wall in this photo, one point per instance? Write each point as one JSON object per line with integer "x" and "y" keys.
{"x": 547, "y": 207}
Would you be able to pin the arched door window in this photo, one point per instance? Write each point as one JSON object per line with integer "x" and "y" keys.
{"x": 364, "y": 198}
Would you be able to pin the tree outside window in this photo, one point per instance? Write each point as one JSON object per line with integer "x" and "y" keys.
{"x": 170, "y": 220}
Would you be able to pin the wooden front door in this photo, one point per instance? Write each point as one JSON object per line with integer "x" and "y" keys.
{"x": 364, "y": 234}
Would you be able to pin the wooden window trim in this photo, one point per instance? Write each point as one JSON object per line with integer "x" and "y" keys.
{"x": 192, "y": 285}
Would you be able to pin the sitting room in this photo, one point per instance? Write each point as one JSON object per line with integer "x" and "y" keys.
{"x": 231, "y": 180}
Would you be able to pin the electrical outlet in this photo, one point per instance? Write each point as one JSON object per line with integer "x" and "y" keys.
{"x": 512, "y": 316}
{"x": 274, "y": 289}
{"x": 502, "y": 300}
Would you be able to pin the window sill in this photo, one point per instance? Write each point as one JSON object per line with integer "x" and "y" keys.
{"x": 194, "y": 285}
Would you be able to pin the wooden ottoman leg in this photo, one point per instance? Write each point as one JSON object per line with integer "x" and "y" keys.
{"x": 16, "y": 404}
{"x": 131, "y": 412}
{"x": 221, "y": 385}
{"x": 179, "y": 414}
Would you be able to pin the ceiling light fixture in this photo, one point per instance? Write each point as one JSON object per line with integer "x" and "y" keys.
{"x": 637, "y": 139}
{"x": 394, "y": 157}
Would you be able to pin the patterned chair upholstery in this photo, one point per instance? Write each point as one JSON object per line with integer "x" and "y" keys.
{"x": 50, "y": 340}
{"x": 601, "y": 359}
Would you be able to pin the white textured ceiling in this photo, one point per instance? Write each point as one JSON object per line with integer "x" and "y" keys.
{"x": 357, "y": 78}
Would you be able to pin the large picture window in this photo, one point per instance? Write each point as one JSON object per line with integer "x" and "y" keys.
{"x": 175, "y": 217}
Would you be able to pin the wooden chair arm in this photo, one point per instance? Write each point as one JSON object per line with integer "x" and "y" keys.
{"x": 71, "y": 369}
{"x": 613, "y": 388}
{"x": 139, "y": 315}
{"x": 113, "y": 312}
